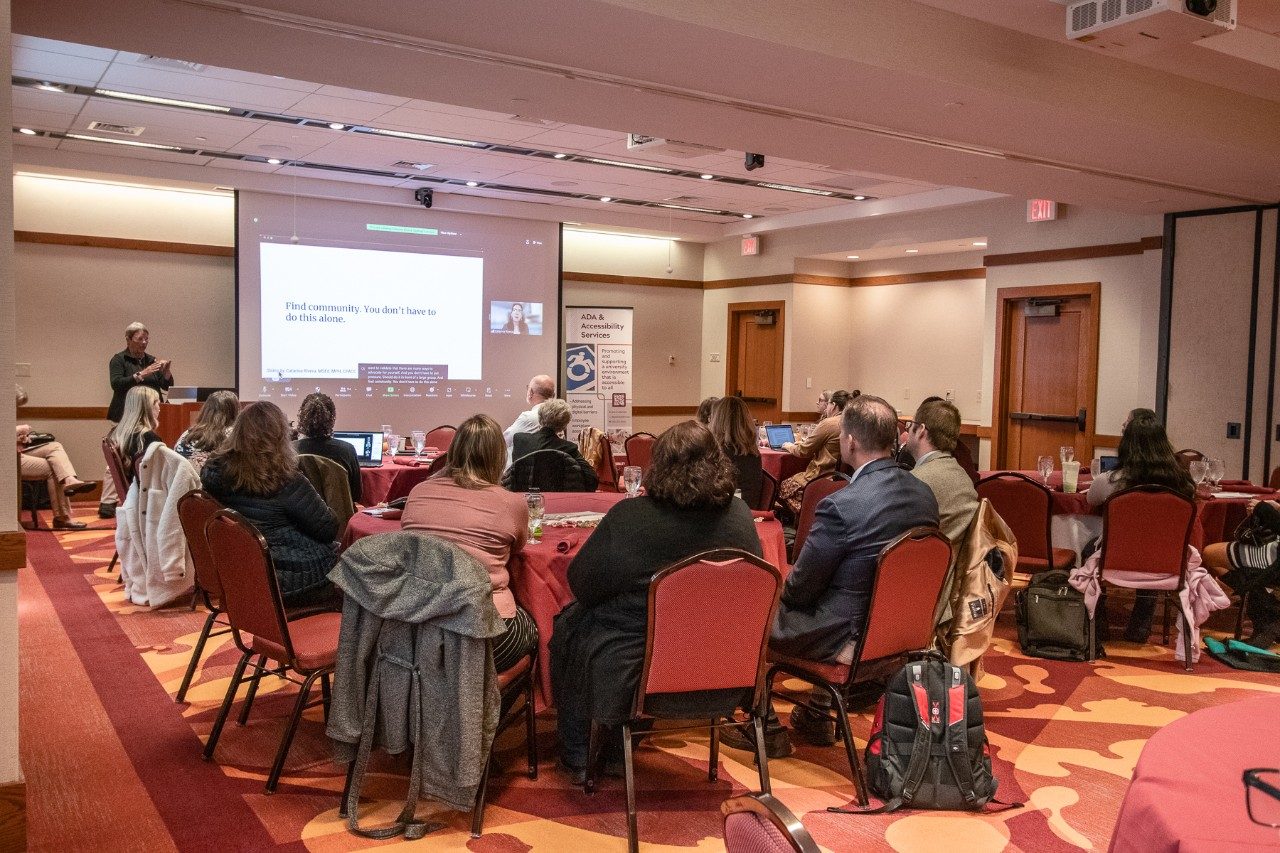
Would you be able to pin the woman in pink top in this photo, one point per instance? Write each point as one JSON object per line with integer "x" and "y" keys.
{"x": 465, "y": 505}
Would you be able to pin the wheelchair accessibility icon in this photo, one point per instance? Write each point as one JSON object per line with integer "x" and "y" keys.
{"x": 580, "y": 367}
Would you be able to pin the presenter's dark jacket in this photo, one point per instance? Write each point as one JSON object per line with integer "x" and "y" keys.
{"x": 299, "y": 528}
{"x": 597, "y": 647}
{"x": 545, "y": 439}
{"x": 122, "y": 368}
{"x": 339, "y": 451}
{"x": 824, "y": 601}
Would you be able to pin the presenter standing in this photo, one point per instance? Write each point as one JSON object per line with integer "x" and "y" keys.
{"x": 131, "y": 366}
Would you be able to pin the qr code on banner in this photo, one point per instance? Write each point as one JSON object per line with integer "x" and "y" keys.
{"x": 620, "y": 401}
{"x": 580, "y": 367}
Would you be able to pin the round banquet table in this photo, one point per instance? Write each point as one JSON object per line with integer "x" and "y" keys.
{"x": 539, "y": 574}
{"x": 1187, "y": 795}
{"x": 781, "y": 464}
{"x": 375, "y": 483}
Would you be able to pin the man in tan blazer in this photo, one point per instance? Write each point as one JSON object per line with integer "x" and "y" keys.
{"x": 931, "y": 437}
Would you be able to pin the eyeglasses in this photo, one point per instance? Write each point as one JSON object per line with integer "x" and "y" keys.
{"x": 1262, "y": 796}
{"x": 907, "y": 426}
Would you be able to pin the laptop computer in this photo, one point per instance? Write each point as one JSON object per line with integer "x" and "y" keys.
{"x": 779, "y": 434}
{"x": 368, "y": 447}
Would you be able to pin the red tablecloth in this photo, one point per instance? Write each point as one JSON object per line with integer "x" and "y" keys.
{"x": 1186, "y": 794}
{"x": 375, "y": 483}
{"x": 539, "y": 574}
{"x": 781, "y": 464}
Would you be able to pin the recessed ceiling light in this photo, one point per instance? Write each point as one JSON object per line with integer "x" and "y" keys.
{"x": 337, "y": 125}
{"x": 132, "y": 142}
{"x": 859, "y": 198}
{"x": 473, "y": 183}
{"x": 274, "y": 161}
{"x": 794, "y": 189}
{"x": 641, "y": 166}
{"x": 912, "y": 251}
{"x": 28, "y": 131}
{"x": 425, "y": 137}
{"x": 50, "y": 87}
{"x": 748, "y": 216}
{"x": 979, "y": 242}
{"x": 560, "y": 156}
{"x": 852, "y": 257}
{"x": 706, "y": 177}
{"x": 202, "y": 139}
{"x": 165, "y": 102}
{"x": 606, "y": 198}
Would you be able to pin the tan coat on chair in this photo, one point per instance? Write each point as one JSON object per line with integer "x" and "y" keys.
{"x": 976, "y": 593}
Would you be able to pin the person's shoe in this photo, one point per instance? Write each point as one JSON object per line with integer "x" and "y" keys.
{"x": 76, "y": 487}
{"x": 1134, "y": 634}
{"x": 776, "y": 744}
{"x": 576, "y": 775}
{"x": 106, "y": 510}
{"x": 68, "y": 524}
{"x": 814, "y": 728}
{"x": 1264, "y": 637}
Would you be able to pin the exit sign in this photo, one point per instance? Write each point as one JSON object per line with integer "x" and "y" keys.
{"x": 751, "y": 244}
{"x": 1041, "y": 210}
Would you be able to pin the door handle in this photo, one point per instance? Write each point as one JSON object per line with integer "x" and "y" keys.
{"x": 1078, "y": 418}
{"x": 769, "y": 400}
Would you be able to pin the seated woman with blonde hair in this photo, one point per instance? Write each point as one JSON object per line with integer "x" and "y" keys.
{"x": 136, "y": 430}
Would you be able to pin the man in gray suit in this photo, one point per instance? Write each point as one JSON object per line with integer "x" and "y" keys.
{"x": 931, "y": 439}
{"x": 824, "y": 601}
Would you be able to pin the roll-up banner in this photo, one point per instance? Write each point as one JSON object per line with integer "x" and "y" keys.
{"x": 597, "y": 370}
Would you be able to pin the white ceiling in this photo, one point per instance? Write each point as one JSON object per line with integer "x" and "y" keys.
{"x": 907, "y": 96}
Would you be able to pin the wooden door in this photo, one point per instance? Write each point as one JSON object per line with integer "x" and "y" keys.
{"x": 1046, "y": 374}
{"x": 754, "y": 368}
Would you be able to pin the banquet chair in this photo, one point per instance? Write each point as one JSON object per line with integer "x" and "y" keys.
{"x": 812, "y": 495}
{"x": 546, "y": 470}
{"x": 693, "y": 644}
{"x": 606, "y": 473}
{"x": 639, "y": 448}
{"x": 768, "y": 491}
{"x": 194, "y": 511}
{"x": 1147, "y": 529}
{"x": 440, "y": 438}
{"x": 32, "y": 492}
{"x": 905, "y": 586}
{"x": 115, "y": 469}
{"x": 1273, "y": 482}
{"x": 760, "y": 823}
{"x": 251, "y": 600}
{"x": 1186, "y": 456}
{"x": 1027, "y": 507}
{"x": 405, "y": 480}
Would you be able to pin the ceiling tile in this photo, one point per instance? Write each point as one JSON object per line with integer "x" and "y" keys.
{"x": 357, "y": 95}
{"x": 100, "y": 148}
{"x": 213, "y": 72}
{"x": 381, "y": 152}
{"x": 150, "y": 115}
{"x": 444, "y": 124}
{"x": 339, "y": 109}
{"x": 53, "y": 102}
{"x": 338, "y": 176}
{"x": 19, "y": 142}
{"x": 197, "y": 87}
{"x": 42, "y": 119}
{"x": 561, "y": 140}
{"x": 63, "y": 47}
{"x": 43, "y": 65}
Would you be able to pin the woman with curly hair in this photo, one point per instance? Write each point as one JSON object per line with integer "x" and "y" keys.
{"x": 316, "y": 417}
{"x": 256, "y": 473}
{"x": 597, "y": 647}
{"x": 211, "y": 429}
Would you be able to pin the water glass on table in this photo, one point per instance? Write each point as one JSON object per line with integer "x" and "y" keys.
{"x": 536, "y": 506}
{"x": 387, "y": 430}
{"x": 631, "y": 476}
{"x": 393, "y": 444}
{"x": 1199, "y": 471}
{"x": 1044, "y": 465}
{"x": 1217, "y": 470}
{"x": 419, "y": 440}
{"x": 1066, "y": 454}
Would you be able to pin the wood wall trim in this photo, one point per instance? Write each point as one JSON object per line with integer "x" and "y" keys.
{"x": 658, "y": 411}
{"x": 1075, "y": 253}
{"x": 976, "y": 430}
{"x": 1100, "y": 440}
{"x": 13, "y": 816}
{"x": 62, "y": 413}
{"x": 13, "y": 556}
{"x": 915, "y": 278}
{"x": 722, "y": 283}
{"x": 828, "y": 280}
{"x": 90, "y": 241}
{"x": 637, "y": 280}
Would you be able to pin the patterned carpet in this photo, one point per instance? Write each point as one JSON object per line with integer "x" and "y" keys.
{"x": 113, "y": 763}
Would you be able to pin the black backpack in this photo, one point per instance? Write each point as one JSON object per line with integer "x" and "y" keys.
{"x": 928, "y": 748}
{"x": 1053, "y": 621}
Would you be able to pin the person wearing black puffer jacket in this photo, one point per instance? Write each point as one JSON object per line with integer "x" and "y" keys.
{"x": 256, "y": 474}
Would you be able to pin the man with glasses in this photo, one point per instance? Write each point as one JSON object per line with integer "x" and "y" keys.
{"x": 931, "y": 439}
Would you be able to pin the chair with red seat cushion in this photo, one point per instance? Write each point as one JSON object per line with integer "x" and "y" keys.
{"x": 115, "y": 470}
{"x": 1186, "y": 456}
{"x": 194, "y": 511}
{"x": 813, "y": 493}
{"x": 905, "y": 587}
{"x": 639, "y": 448}
{"x": 1027, "y": 507}
{"x": 1273, "y": 482}
{"x": 1147, "y": 529}
{"x": 440, "y": 438}
{"x": 606, "y": 474}
{"x": 760, "y": 823}
{"x": 694, "y": 644}
{"x": 253, "y": 605}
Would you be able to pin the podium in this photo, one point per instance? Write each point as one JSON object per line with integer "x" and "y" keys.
{"x": 175, "y": 419}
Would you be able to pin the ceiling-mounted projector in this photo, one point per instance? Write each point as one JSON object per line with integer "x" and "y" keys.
{"x": 1138, "y": 27}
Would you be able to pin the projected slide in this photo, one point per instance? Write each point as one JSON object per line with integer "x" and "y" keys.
{"x": 370, "y": 316}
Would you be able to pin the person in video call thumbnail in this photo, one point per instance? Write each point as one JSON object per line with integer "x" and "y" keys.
{"x": 516, "y": 324}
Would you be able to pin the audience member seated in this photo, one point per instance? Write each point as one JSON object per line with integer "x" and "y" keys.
{"x": 256, "y": 474}
{"x": 541, "y": 388}
{"x": 597, "y": 648}
{"x": 465, "y": 505}
{"x": 211, "y": 429}
{"x": 704, "y": 411}
{"x": 1252, "y": 567}
{"x": 47, "y": 460}
{"x": 1145, "y": 459}
{"x": 553, "y": 417}
{"x": 316, "y": 417}
{"x": 963, "y": 457}
{"x": 822, "y": 448}
{"x": 136, "y": 430}
{"x": 931, "y": 439}
{"x": 735, "y": 432}
{"x": 824, "y": 602}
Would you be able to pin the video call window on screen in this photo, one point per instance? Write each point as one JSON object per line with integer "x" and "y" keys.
{"x": 515, "y": 318}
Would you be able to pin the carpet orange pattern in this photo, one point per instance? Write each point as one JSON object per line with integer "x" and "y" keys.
{"x": 114, "y": 764}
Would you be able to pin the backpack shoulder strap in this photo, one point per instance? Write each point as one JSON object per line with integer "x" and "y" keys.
{"x": 956, "y": 740}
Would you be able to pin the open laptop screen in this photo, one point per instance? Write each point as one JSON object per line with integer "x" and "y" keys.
{"x": 368, "y": 445}
{"x": 779, "y": 434}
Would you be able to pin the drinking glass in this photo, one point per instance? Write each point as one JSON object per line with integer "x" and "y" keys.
{"x": 631, "y": 477}
{"x": 1045, "y": 466}
{"x": 1217, "y": 470}
{"x": 535, "y": 503}
{"x": 419, "y": 440}
{"x": 1066, "y": 454}
{"x": 1198, "y": 469}
{"x": 762, "y": 436}
{"x": 1095, "y": 468}
{"x": 393, "y": 444}
{"x": 386, "y": 436}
